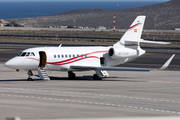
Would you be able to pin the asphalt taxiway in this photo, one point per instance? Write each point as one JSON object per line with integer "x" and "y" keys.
{"x": 123, "y": 94}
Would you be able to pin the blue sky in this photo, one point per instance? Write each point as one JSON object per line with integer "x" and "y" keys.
{"x": 79, "y": 0}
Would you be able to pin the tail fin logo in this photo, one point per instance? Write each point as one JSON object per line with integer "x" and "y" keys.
{"x": 134, "y": 25}
{"x": 135, "y": 30}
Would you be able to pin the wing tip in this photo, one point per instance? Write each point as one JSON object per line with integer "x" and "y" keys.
{"x": 167, "y": 62}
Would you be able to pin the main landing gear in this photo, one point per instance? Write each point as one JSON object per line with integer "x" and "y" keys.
{"x": 96, "y": 77}
{"x": 71, "y": 75}
{"x": 100, "y": 74}
{"x": 29, "y": 72}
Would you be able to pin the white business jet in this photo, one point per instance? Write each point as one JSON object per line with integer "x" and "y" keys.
{"x": 70, "y": 59}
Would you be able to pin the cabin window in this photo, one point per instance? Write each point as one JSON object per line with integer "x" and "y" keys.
{"x": 66, "y": 56}
{"x": 62, "y": 56}
{"x": 73, "y": 55}
{"x": 77, "y": 55}
{"x": 54, "y": 56}
{"x": 85, "y": 55}
{"x": 82, "y": 55}
{"x": 58, "y": 56}
{"x": 69, "y": 56}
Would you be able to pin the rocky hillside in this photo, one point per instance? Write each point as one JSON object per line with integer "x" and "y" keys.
{"x": 159, "y": 16}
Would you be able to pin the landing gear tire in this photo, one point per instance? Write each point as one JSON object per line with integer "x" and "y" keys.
{"x": 71, "y": 75}
{"x": 96, "y": 77}
{"x": 29, "y": 79}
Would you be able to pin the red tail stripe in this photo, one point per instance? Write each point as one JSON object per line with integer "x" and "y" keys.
{"x": 134, "y": 25}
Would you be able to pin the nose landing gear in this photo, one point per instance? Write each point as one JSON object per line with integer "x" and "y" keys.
{"x": 29, "y": 72}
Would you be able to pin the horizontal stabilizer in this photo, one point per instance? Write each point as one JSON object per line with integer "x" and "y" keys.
{"x": 147, "y": 41}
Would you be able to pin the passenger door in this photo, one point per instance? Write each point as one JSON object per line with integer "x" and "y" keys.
{"x": 43, "y": 59}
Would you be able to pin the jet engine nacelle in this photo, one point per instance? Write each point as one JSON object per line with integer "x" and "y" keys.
{"x": 117, "y": 53}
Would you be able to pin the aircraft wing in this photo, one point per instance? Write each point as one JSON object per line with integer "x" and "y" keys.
{"x": 109, "y": 68}
{"x": 122, "y": 68}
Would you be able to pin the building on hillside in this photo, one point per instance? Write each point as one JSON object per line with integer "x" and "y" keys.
{"x": 101, "y": 28}
{"x": 3, "y": 23}
{"x": 176, "y": 28}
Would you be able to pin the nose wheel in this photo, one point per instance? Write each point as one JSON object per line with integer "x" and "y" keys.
{"x": 29, "y": 79}
{"x": 29, "y": 75}
{"x": 71, "y": 75}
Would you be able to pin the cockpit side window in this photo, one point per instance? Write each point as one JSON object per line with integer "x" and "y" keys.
{"x": 28, "y": 54}
{"x": 32, "y": 54}
{"x": 20, "y": 53}
{"x": 23, "y": 54}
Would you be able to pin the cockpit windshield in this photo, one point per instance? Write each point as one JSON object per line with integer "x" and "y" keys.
{"x": 23, "y": 54}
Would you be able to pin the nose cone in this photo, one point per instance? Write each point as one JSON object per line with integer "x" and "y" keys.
{"x": 13, "y": 63}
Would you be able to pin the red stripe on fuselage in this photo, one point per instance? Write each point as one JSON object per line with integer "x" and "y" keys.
{"x": 68, "y": 60}
{"x": 71, "y": 60}
{"x": 97, "y": 52}
{"x": 33, "y": 59}
{"x": 60, "y": 63}
{"x": 63, "y": 61}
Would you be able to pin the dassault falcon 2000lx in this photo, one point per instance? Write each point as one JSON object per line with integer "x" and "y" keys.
{"x": 99, "y": 59}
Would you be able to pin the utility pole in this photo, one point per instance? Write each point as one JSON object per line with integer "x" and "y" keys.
{"x": 155, "y": 20}
{"x": 74, "y": 22}
{"x": 114, "y": 22}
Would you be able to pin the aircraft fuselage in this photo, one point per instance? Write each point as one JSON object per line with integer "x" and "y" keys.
{"x": 61, "y": 58}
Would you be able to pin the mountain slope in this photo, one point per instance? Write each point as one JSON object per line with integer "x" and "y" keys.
{"x": 159, "y": 16}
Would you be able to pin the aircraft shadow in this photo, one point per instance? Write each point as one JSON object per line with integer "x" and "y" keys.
{"x": 83, "y": 78}
{"x": 89, "y": 78}
{"x": 16, "y": 80}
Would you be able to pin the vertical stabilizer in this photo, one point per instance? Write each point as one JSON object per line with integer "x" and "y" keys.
{"x": 134, "y": 32}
